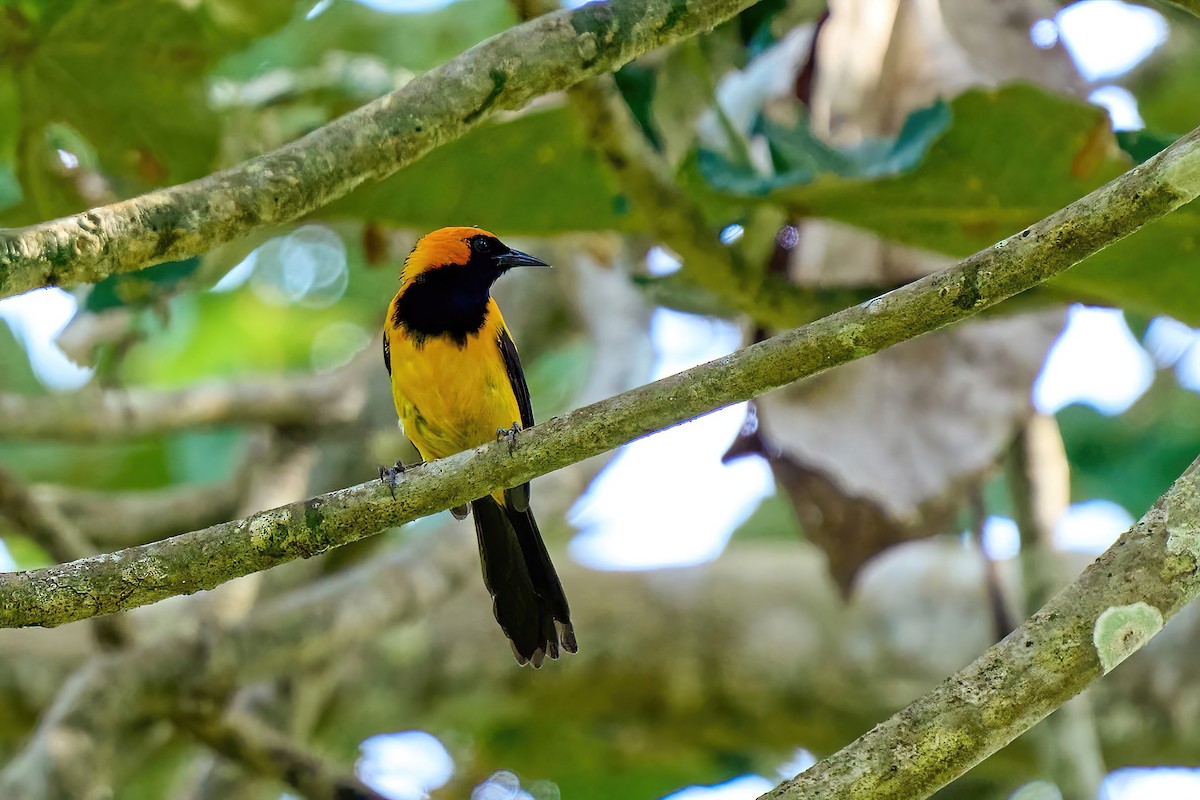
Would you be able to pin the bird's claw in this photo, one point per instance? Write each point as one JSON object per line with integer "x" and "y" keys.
{"x": 391, "y": 476}
{"x": 509, "y": 435}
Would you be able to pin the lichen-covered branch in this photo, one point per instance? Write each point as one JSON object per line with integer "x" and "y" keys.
{"x": 1115, "y": 607}
{"x": 503, "y": 73}
{"x": 203, "y": 559}
{"x": 765, "y": 617}
{"x": 306, "y": 401}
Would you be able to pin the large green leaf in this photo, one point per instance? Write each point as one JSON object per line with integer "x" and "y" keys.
{"x": 415, "y": 41}
{"x": 127, "y": 79}
{"x": 1131, "y": 459}
{"x": 533, "y": 175}
{"x": 1008, "y": 158}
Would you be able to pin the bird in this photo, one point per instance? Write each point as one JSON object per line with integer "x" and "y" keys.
{"x": 457, "y": 383}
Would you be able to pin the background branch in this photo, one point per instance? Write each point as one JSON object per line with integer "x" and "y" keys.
{"x": 113, "y": 520}
{"x": 271, "y": 754}
{"x": 305, "y": 401}
{"x": 68, "y": 754}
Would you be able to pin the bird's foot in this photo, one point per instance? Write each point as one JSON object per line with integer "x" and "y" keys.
{"x": 390, "y": 476}
{"x": 460, "y": 512}
{"x": 509, "y": 435}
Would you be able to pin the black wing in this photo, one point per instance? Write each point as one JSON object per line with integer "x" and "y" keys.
{"x": 516, "y": 376}
{"x": 387, "y": 353}
{"x": 517, "y": 498}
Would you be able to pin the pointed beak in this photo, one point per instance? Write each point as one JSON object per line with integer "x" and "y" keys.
{"x": 515, "y": 258}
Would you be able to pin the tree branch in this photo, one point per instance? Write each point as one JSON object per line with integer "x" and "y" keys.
{"x": 309, "y": 400}
{"x": 1190, "y": 6}
{"x": 121, "y": 519}
{"x": 203, "y": 559}
{"x": 271, "y": 754}
{"x": 72, "y": 750}
{"x": 372, "y": 142}
{"x": 1116, "y": 606}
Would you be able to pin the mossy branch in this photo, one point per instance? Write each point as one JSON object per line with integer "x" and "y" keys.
{"x": 372, "y": 142}
{"x": 203, "y": 559}
{"x": 1115, "y": 607}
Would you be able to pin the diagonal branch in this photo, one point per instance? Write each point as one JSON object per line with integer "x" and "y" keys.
{"x": 372, "y": 142}
{"x": 203, "y": 559}
{"x": 1116, "y": 606}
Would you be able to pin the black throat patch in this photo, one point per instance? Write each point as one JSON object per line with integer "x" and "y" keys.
{"x": 450, "y": 301}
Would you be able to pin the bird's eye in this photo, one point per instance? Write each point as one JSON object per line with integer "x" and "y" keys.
{"x": 481, "y": 244}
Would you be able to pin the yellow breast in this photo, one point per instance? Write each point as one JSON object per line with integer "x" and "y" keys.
{"x": 452, "y": 397}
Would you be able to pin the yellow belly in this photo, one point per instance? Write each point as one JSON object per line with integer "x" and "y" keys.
{"x": 452, "y": 398}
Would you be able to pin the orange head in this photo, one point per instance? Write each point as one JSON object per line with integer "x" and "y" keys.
{"x": 483, "y": 256}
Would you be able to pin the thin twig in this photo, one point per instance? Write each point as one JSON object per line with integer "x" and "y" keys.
{"x": 269, "y": 753}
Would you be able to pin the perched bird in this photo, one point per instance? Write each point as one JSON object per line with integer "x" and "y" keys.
{"x": 457, "y": 383}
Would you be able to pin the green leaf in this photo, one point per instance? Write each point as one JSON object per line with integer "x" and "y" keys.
{"x": 1009, "y": 158}
{"x": 120, "y": 85}
{"x": 1144, "y": 145}
{"x": 140, "y": 288}
{"x": 416, "y": 41}
{"x": 979, "y": 181}
{"x": 801, "y": 157}
{"x": 683, "y": 89}
{"x": 10, "y": 190}
{"x": 1132, "y": 458}
{"x": 533, "y": 175}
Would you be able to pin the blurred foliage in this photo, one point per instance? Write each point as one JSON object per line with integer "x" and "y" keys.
{"x": 415, "y": 41}
{"x": 533, "y": 175}
{"x": 1131, "y": 459}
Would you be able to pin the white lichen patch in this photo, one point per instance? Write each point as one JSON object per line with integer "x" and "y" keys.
{"x": 1183, "y": 524}
{"x": 1122, "y": 630}
{"x": 261, "y": 527}
{"x": 850, "y": 333}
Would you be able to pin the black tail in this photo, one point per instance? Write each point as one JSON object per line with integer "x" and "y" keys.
{"x": 526, "y": 594}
